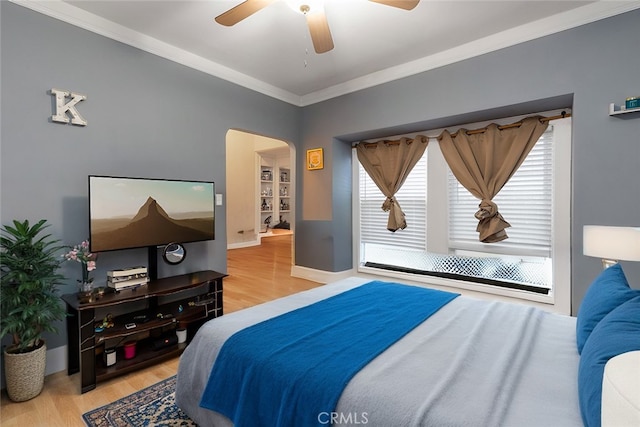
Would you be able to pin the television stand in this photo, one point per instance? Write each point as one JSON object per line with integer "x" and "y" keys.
{"x": 157, "y": 309}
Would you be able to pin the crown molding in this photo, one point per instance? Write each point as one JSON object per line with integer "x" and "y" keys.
{"x": 80, "y": 18}
{"x": 592, "y": 12}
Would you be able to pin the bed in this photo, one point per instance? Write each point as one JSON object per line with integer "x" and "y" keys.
{"x": 472, "y": 362}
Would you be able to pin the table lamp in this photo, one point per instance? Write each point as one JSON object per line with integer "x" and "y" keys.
{"x": 611, "y": 244}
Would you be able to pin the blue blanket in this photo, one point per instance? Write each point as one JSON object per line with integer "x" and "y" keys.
{"x": 291, "y": 370}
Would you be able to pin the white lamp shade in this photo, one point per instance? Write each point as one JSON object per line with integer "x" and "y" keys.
{"x": 615, "y": 243}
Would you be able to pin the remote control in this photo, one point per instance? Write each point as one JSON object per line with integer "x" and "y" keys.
{"x": 130, "y": 325}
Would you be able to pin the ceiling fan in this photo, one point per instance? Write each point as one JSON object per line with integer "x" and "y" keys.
{"x": 312, "y": 10}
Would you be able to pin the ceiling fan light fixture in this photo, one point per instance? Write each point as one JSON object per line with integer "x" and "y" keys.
{"x": 306, "y": 6}
{"x": 313, "y": 10}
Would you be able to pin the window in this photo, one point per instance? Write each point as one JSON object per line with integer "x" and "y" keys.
{"x": 440, "y": 243}
{"x": 525, "y": 202}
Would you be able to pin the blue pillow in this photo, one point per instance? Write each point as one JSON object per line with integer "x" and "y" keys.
{"x": 618, "y": 332}
{"x": 608, "y": 291}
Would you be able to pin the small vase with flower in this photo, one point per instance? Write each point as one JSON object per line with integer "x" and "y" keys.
{"x": 87, "y": 260}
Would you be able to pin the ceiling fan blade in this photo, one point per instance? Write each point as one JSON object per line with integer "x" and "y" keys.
{"x": 320, "y": 33}
{"x": 242, "y": 11}
{"x": 402, "y": 4}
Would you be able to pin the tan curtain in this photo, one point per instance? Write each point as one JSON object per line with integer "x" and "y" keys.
{"x": 483, "y": 162}
{"x": 388, "y": 163}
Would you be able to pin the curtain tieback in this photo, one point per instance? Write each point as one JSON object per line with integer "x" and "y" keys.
{"x": 488, "y": 209}
{"x": 491, "y": 224}
{"x": 388, "y": 203}
{"x": 396, "y": 216}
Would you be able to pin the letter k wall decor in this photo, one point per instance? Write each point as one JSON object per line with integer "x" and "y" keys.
{"x": 65, "y": 110}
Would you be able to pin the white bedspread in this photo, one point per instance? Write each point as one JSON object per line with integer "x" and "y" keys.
{"x": 473, "y": 363}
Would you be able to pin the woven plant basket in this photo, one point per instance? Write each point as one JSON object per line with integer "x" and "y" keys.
{"x": 24, "y": 373}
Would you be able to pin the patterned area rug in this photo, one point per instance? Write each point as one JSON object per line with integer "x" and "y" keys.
{"x": 152, "y": 406}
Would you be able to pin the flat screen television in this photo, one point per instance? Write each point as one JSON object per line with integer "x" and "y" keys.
{"x": 129, "y": 213}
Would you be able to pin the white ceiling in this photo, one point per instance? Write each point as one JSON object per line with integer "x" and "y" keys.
{"x": 271, "y": 51}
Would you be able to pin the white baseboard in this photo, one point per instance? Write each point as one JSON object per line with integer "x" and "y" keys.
{"x": 320, "y": 276}
{"x": 243, "y": 244}
{"x": 56, "y": 360}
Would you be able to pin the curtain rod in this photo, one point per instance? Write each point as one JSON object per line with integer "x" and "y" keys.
{"x": 562, "y": 115}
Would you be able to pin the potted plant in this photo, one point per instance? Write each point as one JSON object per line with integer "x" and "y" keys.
{"x": 29, "y": 305}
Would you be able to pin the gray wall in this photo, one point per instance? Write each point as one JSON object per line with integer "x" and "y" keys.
{"x": 585, "y": 68}
{"x": 147, "y": 117}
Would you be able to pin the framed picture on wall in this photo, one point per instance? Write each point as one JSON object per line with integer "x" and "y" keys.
{"x": 315, "y": 159}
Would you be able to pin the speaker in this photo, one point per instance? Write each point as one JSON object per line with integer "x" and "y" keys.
{"x": 165, "y": 341}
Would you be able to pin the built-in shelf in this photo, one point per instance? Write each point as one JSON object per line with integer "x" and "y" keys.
{"x": 618, "y": 110}
{"x": 275, "y": 198}
{"x": 284, "y": 194}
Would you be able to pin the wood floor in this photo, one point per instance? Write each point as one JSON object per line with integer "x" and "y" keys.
{"x": 256, "y": 274}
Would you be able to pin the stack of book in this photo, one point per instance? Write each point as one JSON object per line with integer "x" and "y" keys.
{"x": 127, "y": 278}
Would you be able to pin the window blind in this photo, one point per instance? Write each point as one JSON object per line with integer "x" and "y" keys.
{"x": 412, "y": 198}
{"x": 525, "y": 202}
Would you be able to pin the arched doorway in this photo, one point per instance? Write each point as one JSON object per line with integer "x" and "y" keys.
{"x": 248, "y": 155}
